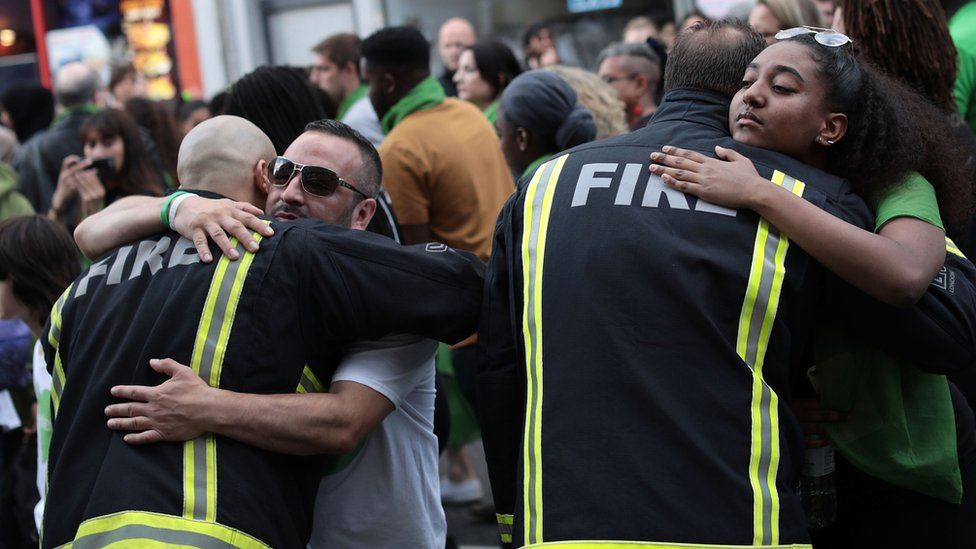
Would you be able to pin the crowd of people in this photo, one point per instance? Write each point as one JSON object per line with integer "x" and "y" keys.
{"x": 712, "y": 291}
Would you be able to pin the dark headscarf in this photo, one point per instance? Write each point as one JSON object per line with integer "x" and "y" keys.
{"x": 545, "y": 104}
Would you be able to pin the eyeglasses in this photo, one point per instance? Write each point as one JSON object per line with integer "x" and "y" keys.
{"x": 824, "y": 37}
{"x": 315, "y": 180}
{"x": 611, "y": 79}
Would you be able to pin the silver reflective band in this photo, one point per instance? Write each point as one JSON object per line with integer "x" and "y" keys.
{"x": 825, "y": 37}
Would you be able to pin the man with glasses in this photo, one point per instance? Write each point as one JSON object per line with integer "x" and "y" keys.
{"x": 287, "y": 313}
{"x": 634, "y": 71}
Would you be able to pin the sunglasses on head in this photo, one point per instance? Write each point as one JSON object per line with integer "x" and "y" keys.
{"x": 315, "y": 180}
{"x": 824, "y": 37}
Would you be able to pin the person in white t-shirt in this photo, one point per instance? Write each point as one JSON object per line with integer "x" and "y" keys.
{"x": 38, "y": 260}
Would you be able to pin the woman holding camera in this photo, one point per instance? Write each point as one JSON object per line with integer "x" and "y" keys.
{"x": 115, "y": 164}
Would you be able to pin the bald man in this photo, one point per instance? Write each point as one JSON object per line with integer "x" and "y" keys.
{"x": 38, "y": 162}
{"x": 247, "y": 339}
{"x": 455, "y": 35}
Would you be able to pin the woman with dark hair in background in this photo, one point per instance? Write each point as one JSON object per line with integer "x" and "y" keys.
{"x": 484, "y": 70}
{"x": 115, "y": 164}
{"x": 539, "y": 116}
{"x": 153, "y": 117}
{"x": 27, "y": 109}
{"x": 191, "y": 114}
{"x": 281, "y": 101}
{"x": 907, "y": 436}
{"x": 38, "y": 260}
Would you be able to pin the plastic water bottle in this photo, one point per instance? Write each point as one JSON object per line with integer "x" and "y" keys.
{"x": 817, "y": 490}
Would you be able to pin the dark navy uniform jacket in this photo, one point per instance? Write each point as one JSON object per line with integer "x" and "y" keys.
{"x": 642, "y": 344}
{"x": 272, "y": 322}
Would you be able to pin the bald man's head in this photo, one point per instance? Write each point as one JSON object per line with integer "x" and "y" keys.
{"x": 226, "y": 155}
{"x": 455, "y": 35}
{"x": 75, "y": 84}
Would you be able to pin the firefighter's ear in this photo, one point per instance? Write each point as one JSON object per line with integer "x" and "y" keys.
{"x": 259, "y": 176}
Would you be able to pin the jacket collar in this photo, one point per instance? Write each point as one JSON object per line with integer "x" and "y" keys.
{"x": 695, "y": 105}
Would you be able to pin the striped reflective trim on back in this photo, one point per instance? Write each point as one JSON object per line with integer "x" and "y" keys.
{"x": 309, "y": 383}
{"x": 505, "y": 523}
{"x": 207, "y": 360}
{"x": 54, "y": 338}
{"x": 613, "y": 544}
{"x": 141, "y": 529}
{"x": 538, "y": 204}
{"x": 952, "y": 248}
{"x": 766, "y": 275}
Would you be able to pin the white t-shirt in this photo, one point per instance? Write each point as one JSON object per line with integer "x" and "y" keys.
{"x": 42, "y": 391}
{"x": 362, "y": 117}
{"x": 389, "y": 494}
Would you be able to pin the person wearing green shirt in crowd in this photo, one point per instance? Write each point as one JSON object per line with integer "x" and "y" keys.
{"x": 38, "y": 163}
{"x": 962, "y": 27}
{"x": 446, "y": 177}
{"x": 484, "y": 70}
{"x": 910, "y": 477}
{"x": 538, "y": 117}
{"x": 336, "y": 72}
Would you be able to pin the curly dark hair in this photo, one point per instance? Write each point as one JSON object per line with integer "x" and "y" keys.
{"x": 909, "y": 40}
{"x": 891, "y": 131}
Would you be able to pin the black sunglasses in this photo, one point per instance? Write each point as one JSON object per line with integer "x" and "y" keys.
{"x": 315, "y": 180}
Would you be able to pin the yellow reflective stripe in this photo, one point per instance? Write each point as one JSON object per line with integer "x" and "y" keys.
{"x": 57, "y": 382}
{"x": 952, "y": 248}
{"x": 209, "y": 349}
{"x": 610, "y": 544}
{"x": 505, "y": 527}
{"x": 54, "y": 334}
{"x": 142, "y": 529}
{"x": 766, "y": 275}
{"x": 538, "y": 205}
{"x": 309, "y": 383}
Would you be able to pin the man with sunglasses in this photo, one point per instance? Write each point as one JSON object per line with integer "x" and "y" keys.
{"x": 283, "y": 336}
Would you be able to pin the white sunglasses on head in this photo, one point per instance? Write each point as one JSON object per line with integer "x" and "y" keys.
{"x": 824, "y": 37}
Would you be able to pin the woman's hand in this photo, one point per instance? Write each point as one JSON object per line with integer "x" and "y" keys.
{"x": 201, "y": 218}
{"x": 732, "y": 181}
{"x": 91, "y": 193}
{"x": 66, "y": 187}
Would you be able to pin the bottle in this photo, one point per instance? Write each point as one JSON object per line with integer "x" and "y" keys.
{"x": 818, "y": 493}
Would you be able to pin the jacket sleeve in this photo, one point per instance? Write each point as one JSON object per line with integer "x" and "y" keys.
{"x": 359, "y": 285}
{"x": 938, "y": 333}
{"x": 501, "y": 387}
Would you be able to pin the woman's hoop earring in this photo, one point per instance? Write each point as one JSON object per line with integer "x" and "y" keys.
{"x": 825, "y": 142}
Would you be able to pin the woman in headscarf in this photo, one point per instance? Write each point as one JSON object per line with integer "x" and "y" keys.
{"x": 538, "y": 117}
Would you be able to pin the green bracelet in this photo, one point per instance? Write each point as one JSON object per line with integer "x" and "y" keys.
{"x": 164, "y": 212}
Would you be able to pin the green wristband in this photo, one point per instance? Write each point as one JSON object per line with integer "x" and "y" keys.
{"x": 164, "y": 211}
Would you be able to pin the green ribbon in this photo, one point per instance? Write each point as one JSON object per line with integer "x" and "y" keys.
{"x": 491, "y": 112}
{"x": 536, "y": 163}
{"x": 425, "y": 95}
{"x": 354, "y": 95}
{"x": 87, "y": 108}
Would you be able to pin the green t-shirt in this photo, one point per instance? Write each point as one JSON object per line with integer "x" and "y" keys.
{"x": 964, "y": 90}
{"x": 900, "y": 426}
{"x": 913, "y": 197}
{"x": 962, "y": 27}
